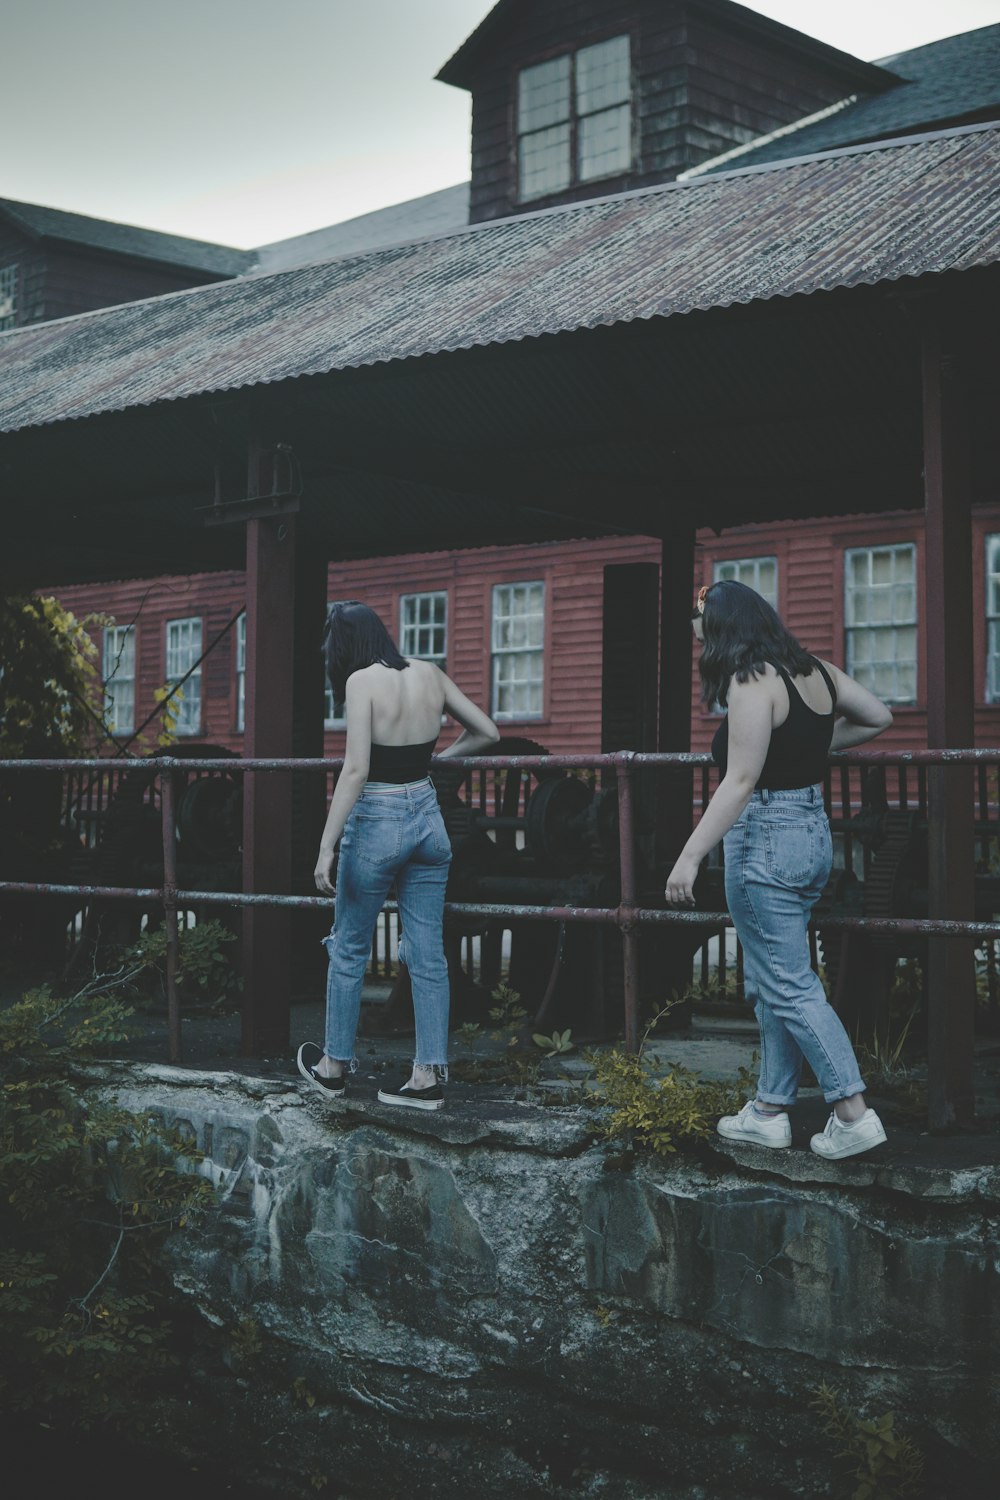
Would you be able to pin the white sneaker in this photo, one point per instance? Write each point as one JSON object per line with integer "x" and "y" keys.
{"x": 776, "y": 1131}
{"x": 848, "y": 1138}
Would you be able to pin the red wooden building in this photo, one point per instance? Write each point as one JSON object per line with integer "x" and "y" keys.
{"x": 851, "y": 587}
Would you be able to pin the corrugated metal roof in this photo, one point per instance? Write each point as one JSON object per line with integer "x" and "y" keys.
{"x": 955, "y": 78}
{"x": 864, "y": 216}
{"x": 126, "y": 239}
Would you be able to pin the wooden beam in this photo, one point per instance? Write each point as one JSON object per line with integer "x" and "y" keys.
{"x": 951, "y": 989}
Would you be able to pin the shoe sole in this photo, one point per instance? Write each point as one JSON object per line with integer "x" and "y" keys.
{"x": 329, "y": 1095}
{"x": 752, "y": 1140}
{"x": 410, "y": 1103}
{"x": 846, "y": 1151}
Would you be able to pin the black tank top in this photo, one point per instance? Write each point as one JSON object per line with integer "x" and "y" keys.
{"x": 797, "y": 754}
{"x": 400, "y": 763}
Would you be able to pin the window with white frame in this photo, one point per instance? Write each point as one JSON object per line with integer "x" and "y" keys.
{"x": 758, "y": 573}
{"x": 574, "y": 118}
{"x": 119, "y": 678}
{"x": 241, "y": 674}
{"x": 423, "y": 626}
{"x": 8, "y": 297}
{"x": 335, "y": 713}
{"x": 880, "y": 619}
{"x": 183, "y": 650}
{"x": 518, "y": 642}
{"x": 993, "y": 618}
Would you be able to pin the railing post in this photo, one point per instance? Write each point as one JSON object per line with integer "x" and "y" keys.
{"x": 626, "y": 908}
{"x": 168, "y": 819}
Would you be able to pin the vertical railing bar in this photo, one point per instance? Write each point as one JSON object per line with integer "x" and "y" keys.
{"x": 626, "y": 921}
{"x": 740, "y": 976}
{"x": 168, "y": 815}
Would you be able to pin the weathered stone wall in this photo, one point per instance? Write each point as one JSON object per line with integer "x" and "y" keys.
{"x": 490, "y": 1302}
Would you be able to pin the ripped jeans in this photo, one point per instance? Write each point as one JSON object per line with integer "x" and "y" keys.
{"x": 778, "y": 859}
{"x": 394, "y": 833}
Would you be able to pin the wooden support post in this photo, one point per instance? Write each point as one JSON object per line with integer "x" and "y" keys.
{"x": 675, "y": 801}
{"x": 951, "y": 989}
{"x": 267, "y": 796}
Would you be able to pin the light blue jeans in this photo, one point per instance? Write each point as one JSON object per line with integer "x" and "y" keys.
{"x": 778, "y": 858}
{"x": 394, "y": 833}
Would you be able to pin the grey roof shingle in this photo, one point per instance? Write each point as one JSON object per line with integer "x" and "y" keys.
{"x": 125, "y": 239}
{"x": 433, "y": 213}
{"x": 947, "y": 81}
{"x": 873, "y": 214}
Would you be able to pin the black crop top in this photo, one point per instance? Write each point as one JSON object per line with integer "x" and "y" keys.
{"x": 797, "y": 754}
{"x": 400, "y": 763}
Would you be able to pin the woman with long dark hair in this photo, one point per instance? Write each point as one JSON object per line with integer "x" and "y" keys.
{"x": 786, "y": 711}
{"x": 385, "y": 815}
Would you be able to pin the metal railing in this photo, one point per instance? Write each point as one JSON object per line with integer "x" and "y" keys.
{"x": 621, "y": 767}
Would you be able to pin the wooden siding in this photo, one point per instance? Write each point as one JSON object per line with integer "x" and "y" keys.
{"x": 17, "y": 249}
{"x": 79, "y": 280}
{"x": 700, "y": 87}
{"x": 810, "y": 598}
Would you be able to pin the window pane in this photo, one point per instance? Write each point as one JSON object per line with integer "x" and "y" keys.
{"x": 882, "y": 566}
{"x": 183, "y": 650}
{"x": 8, "y": 296}
{"x": 544, "y": 163}
{"x": 881, "y": 605}
{"x": 119, "y": 678}
{"x": 423, "y": 627}
{"x": 543, "y": 95}
{"x": 605, "y": 143}
{"x": 602, "y": 75}
{"x": 518, "y": 666}
{"x": 758, "y": 573}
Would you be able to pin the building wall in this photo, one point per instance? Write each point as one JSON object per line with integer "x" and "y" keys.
{"x": 17, "y": 249}
{"x": 810, "y": 598}
{"x": 56, "y": 281}
{"x": 78, "y": 280}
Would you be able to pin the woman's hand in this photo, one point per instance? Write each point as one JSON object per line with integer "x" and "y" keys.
{"x": 323, "y": 873}
{"x": 680, "y": 882}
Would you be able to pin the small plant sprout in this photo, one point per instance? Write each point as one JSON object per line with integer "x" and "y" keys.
{"x": 555, "y": 1044}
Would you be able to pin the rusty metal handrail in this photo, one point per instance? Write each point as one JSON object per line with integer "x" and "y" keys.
{"x": 627, "y": 916}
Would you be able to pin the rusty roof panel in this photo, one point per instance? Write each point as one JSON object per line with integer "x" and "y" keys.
{"x": 870, "y": 214}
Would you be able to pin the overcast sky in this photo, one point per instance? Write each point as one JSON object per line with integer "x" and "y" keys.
{"x": 246, "y": 121}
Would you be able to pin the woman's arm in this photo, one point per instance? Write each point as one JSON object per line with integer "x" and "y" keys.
{"x": 860, "y": 715}
{"x": 357, "y": 755}
{"x": 478, "y": 729}
{"x": 751, "y": 706}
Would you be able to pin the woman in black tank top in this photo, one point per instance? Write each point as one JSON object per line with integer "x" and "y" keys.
{"x": 771, "y": 749}
{"x": 385, "y": 816}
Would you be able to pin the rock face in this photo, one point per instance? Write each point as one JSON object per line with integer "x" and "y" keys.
{"x": 490, "y": 1302}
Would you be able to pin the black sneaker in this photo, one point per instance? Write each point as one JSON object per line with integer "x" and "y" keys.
{"x": 308, "y": 1056}
{"x": 429, "y": 1098}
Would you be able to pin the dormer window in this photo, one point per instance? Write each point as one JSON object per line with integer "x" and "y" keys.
{"x": 574, "y": 119}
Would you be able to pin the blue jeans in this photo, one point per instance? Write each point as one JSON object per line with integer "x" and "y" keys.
{"x": 778, "y": 859}
{"x": 392, "y": 834}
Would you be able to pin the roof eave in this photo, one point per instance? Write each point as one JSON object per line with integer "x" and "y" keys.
{"x": 460, "y": 68}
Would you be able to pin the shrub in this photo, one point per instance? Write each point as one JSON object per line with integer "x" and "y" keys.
{"x": 87, "y": 1194}
{"x": 662, "y": 1110}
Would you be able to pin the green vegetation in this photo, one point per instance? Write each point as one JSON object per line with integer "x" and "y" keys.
{"x": 662, "y": 1110}
{"x": 88, "y": 1192}
{"x": 875, "y": 1462}
{"x": 207, "y": 975}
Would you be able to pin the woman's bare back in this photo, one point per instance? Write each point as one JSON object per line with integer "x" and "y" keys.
{"x": 406, "y": 706}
